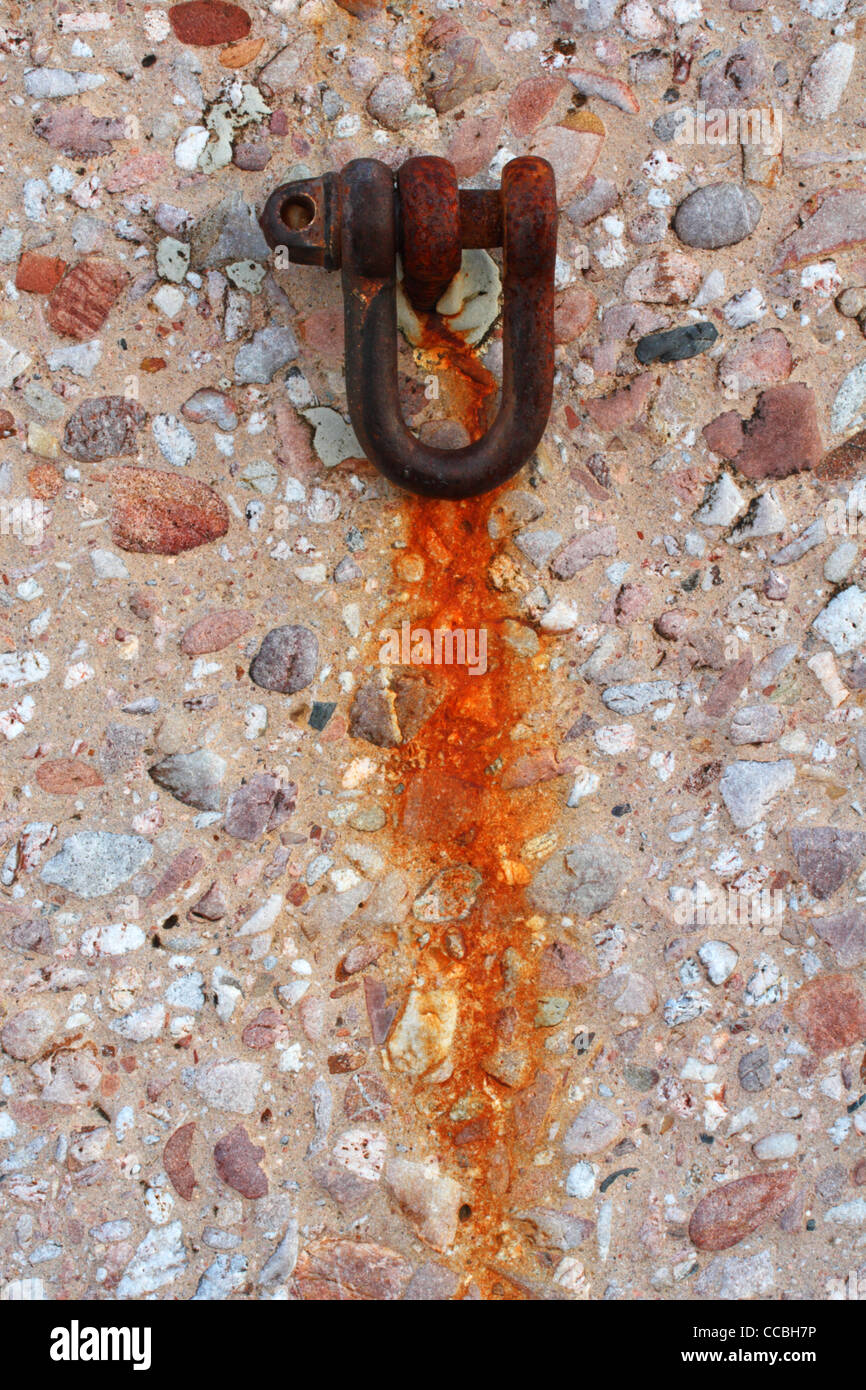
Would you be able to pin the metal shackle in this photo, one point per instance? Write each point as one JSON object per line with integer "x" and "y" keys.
{"x": 360, "y": 220}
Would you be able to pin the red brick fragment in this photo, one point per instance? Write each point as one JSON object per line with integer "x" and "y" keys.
{"x": 831, "y": 1011}
{"x": 37, "y": 274}
{"x": 81, "y": 303}
{"x": 66, "y": 776}
{"x": 205, "y": 23}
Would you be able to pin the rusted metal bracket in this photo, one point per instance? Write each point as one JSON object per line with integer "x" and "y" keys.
{"x": 360, "y": 220}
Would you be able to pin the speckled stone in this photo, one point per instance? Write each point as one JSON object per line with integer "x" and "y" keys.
{"x": 719, "y": 214}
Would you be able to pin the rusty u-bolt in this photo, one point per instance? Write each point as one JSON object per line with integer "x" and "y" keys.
{"x": 360, "y": 219}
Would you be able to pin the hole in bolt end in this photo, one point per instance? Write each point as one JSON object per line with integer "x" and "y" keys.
{"x": 298, "y": 212}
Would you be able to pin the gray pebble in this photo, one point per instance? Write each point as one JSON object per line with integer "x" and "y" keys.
{"x": 639, "y": 697}
{"x": 95, "y": 862}
{"x": 192, "y": 778}
{"x": 719, "y": 214}
{"x": 749, "y": 788}
{"x": 538, "y": 545}
{"x": 756, "y": 724}
{"x": 841, "y": 561}
{"x": 676, "y": 344}
{"x": 271, "y": 348}
{"x": 581, "y": 879}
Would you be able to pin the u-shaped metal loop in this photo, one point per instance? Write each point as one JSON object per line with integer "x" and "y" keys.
{"x": 367, "y": 247}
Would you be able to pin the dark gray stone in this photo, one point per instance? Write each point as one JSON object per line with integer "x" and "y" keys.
{"x": 677, "y": 344}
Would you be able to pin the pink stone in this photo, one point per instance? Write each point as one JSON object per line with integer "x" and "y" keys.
{"x": 474, "y": 145}
{"x": 76, "y": 131}
{"x": 136, "y": 172}
{"x": 251, "y": 155}
{"x": 323, "y": 331}
{"x": 831, "y": 1011}
{"x": 733, "y": 1210}
{"x": 215, "y": 631}
{"x": 630, "y": 602}
{"x": 573, "y": 312}
{"x": 237, "y": 1161}
{"x": 832, "y": 218}
{"x": 294, "y": 441}
{"x": 668, "y": 278}
{"x": 533, "y": 101}
{"x": 621, "y": 408}
{"x": 533, "y": 768}
{"x": 781, "y": 438}
{"x": 175, "y": 1159}
{"x": 350, "y": 1270}
{"x": 572, "y": 154}
{"x": 765, "y": 361}
{"x": 460, "y": 67}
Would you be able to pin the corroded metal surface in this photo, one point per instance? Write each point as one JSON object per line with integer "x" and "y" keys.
{"x": 304, "y": 216}
{"x": 429, "y": 211}
{"x": 358, "y": 221}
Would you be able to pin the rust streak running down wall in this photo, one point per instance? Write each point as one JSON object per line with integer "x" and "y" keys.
{"x": 454, "y": 811}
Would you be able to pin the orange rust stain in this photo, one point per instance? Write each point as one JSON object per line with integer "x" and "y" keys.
{"x": 467, "y": 386}
{"x": 454, "y": 811}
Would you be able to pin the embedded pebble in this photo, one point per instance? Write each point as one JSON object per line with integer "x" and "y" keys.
{"x": 583, "y": 879}
{"x": 424, "y": 1033}
{"x": 779, "y": 438}
{"x": 849, "y": 400}
{"x": 271, "y": 349}
{"x": 286, "y": 660}
{"x": 719, "y": 214}
{"x": 756, "y": 724}
{"x": 826, "y": 857}
{"x": 719, "y": 960}
{"x": 764, "y": 517}
{"x": 840, "y": 562}
{"x": 92, "y": 863}
{"x": 174, "y": 440}
{"x": 430, "y": 1199}
{"x": 155, "y": 512}
{"x": 106, "y": 427}
{"x": 825, "y": 82}
{"x": 722, "y": 502}
{"x": 229, "y": 1084}
{"x": 676, "y": 345}
{"x": 775, "y": 1146}
{"x": 192, "y": 778}
{"x": 594, "y": 1129}
{"x": 749, "y": 789}
{"x": 726, "y": 1216}
{"x": 842, "y": 622}
{"x": 765, "y": 361}
{"x": 669, "y": 278}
